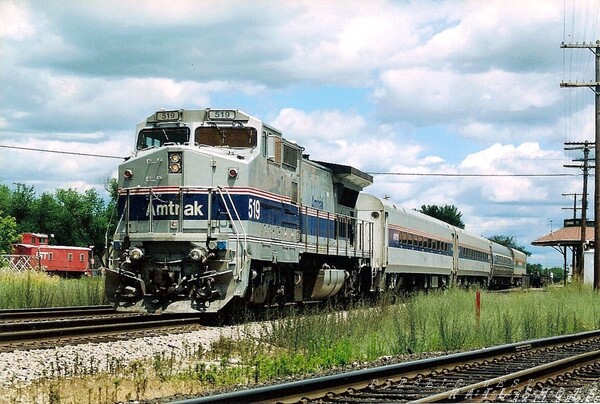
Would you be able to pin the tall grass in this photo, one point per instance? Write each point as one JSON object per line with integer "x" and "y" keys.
{"x": 426, "y": 322}
{"x": 30, "y": 289}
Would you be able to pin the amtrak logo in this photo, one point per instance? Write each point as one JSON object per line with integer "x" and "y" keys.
{"x": 172, "y": 209}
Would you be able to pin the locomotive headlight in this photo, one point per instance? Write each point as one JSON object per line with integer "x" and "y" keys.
{"x": 136, "y": 254}
{"x": 128, "y": 174}
{"x": 233, "y": 172}
{"x": 175, "y": 162}
{"x": 197, "y": 254}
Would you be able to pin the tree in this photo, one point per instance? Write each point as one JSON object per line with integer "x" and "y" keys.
{"x": 22, "y": 201}
{"x": 8, "y": 233}
{"x": 83, "y": 219}
{"x": 5, "y": 199}
{"x": 532, "y": 268}
{"x": 110, "y": 214}
{"x": 75, "y": 219}
{"x": 509, "y": 241}
{"x": 558, "y": 273}
{"x": 446, "y": 213}
{"x": 112, "y": 187}
{"x": 46, "y": 214}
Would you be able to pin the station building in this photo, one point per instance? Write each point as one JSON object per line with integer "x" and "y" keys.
{"x": 567, "y": 241}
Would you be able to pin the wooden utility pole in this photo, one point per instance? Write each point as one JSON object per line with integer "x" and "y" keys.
{"x": 574, "y": 257}
{"x": 585, "y": 166}
{"x": 574, "y": 208}
{"x": 595, "y": 86}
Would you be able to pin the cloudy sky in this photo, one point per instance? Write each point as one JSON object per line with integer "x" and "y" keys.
{"x": 435, "y": 88}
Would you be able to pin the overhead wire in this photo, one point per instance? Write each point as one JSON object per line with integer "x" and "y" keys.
{"x": 473, "y": 175}
{"x": 62, "y": 152}
{"x": 370, "y": 173}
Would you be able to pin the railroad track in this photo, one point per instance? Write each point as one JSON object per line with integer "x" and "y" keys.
{"x": 31, "y": 329}
{"x": 53, "y": 312}
{"x": 549, "y": 369}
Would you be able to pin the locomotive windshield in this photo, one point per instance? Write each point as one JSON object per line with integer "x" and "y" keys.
{"x": 157, "y": 137}
{"x": 226, "y": 136}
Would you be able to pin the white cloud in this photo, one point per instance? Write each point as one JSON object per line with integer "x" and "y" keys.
{"x": 480, "y": 35}
{"x": 49, "y": 171}
{"x": 437, "y": 86}
{"x": 424, "y": 96}
{"x": 346, "y": 138}
{"x": 15, "y": 20}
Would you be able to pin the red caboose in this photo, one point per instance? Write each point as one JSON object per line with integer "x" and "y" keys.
{"x": 62, "y": 260}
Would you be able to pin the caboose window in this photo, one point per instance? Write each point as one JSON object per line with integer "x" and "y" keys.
{"x": 225, "y": 136}
{"x": 156, "y": 137}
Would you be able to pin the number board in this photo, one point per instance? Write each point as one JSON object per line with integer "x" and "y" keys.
{"x": 221, "y": 115}
{"x": 166, "y": 116}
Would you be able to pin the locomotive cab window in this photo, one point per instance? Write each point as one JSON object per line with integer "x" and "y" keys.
{"x": 226, "y": 136}
{"x": 156, "y": 137}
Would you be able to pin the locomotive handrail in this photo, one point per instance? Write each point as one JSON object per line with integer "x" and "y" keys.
{"x": 349, "y": 235}
{"x": 238, "y": 256}
{"x": 124, "y": 214}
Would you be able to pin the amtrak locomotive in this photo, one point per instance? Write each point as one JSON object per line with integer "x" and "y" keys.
{"x": 217, "y": 208}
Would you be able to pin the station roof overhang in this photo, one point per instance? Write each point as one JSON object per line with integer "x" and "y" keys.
{"x": 567, "y": 236}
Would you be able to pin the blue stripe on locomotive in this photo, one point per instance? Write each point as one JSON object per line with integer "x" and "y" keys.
{"x": 195, "y": 207}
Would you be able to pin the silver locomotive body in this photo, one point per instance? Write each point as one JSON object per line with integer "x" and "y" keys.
{"x": 216, "y": 207}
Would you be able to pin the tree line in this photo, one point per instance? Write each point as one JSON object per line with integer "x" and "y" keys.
{"x": 67, "y": 216}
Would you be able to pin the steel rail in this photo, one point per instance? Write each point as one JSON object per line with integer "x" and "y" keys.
{"x": 545, "y": 369}
{"x": 316, "y": 387}
{"x": 46, "y": 312}
{"x": 38, "y": 309}
{"x": 17, "y": 332}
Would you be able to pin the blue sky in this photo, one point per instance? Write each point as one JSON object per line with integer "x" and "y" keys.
{"x": 428, "y": 87}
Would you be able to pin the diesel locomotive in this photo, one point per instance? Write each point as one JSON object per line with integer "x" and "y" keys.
{"x": 218, "y": 209}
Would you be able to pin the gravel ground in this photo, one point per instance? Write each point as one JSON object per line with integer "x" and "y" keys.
{"x": 24, "y": 367}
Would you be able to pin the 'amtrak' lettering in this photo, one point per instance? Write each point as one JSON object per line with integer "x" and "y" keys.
{"x": 317, "y": 203}
{"x": 172, "y": 209}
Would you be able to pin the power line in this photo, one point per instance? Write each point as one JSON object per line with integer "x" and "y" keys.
{"x": 472, "y": 175}
{"x": 371, "y": 173}
{"x": 63, "y": 152}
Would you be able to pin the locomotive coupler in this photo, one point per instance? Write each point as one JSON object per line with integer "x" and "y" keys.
{"x": 206, "y": 290}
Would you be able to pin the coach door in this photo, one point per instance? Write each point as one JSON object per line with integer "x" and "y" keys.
{"x": 386, "y": 244}
{"x": 455, "y": 254}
